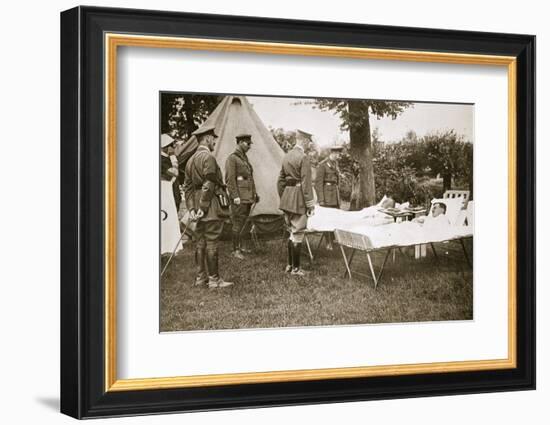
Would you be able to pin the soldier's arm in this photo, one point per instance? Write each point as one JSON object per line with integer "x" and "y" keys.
{"x": 188, "y": 191}
{"x": 209, "y": 184}
{"x": 231, "y": 177}
{"x": 305, "y": 176}
{"x": 281, "y": 183}
{"x": 319, "y": 179}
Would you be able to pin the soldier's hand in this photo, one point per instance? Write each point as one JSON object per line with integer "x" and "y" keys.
{"x": 200, "y": 214}
{"x": 237, "y": 201}
{"x": 173, "y": 171}
{"x": 310, "y": 212}
{"x": 192, "y": 215}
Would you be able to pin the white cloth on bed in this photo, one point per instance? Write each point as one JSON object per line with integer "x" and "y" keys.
{"x": 329, "y": 219}
{"x": 409, "y": 233}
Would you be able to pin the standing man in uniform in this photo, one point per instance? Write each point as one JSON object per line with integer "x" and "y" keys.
{"x": 242, "y": 190}
{"x": 328, "y": 179}
{"x": 327, "y": 184}
{"x": 208, "y": 204}
{"x": 296, "y": 199}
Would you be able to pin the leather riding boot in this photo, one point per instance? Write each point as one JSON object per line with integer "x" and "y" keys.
{"x": 214, "y": 279}
{"x": 200, "y": 260}
{"x": 235, "y": 240}
{"x": 296, "y": 257}
{"x": 290, "y": 260}
{"x": 236, "y": 246}
{"x": 212, "y": 262}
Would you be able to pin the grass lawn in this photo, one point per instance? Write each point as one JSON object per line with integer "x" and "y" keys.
{"x": 265, "y": 297}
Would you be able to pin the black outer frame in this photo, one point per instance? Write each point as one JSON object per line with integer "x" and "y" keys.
{"x": 82, "y": 208}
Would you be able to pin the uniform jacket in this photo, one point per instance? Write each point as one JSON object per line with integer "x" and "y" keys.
{"x": 239, "y": 177}
{"x": 202, "y": 185}
{"x": 294, "y": 183}
{"x": 168, "y": 166}
{"x": 326, "y": 183}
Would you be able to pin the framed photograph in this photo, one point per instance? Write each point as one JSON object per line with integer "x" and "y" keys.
{"x": 261, "y": 212}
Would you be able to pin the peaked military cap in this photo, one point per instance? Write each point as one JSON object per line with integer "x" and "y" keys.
{"x": 336, "y": 148}
{"x": 304, "y": 134}
{"x": 205, "y": 129}
{"x": 243, "y": 136}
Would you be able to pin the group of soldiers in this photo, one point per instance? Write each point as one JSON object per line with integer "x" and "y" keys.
{"x": 211, "y": 199}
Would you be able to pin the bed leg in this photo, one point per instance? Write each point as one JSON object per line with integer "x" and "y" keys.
{"x": 309, "y": 250}
{"x": 372, "y": 271}
{"x": 348, "y": 270}
{"x": 351, "y": 257}
{"x": 433, "y": 250}
{"x": 320, "y": 241}
{"x": 465, "y": 253}
{"x": 383, "y": 264}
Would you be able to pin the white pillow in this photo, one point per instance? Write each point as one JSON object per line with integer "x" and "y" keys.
{"x": 379, "y": 204}
{"x": 454, "y": 206}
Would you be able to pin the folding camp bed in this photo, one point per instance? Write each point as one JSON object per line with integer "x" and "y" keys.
{"x": 357, "y": 242}
{"x": 394, "y": 237}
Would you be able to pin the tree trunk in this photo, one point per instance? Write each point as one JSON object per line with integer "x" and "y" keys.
{"x": 361, "y": 149}
{"x": 355, "y": 196}
{"x": 447, "y": 180}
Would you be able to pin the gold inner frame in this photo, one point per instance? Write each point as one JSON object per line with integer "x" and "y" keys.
{"x": 113, "y": 41}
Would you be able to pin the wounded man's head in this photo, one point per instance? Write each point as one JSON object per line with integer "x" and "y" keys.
{"x": 438, "y": 209}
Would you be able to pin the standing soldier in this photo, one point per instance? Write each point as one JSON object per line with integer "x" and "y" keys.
{"x": 297, "y": 202}
{"x": 242, "y": 191}
{"x": 328, "y": 179}
{"x": 208, "y": 203}
{"x": 327, "y": 184}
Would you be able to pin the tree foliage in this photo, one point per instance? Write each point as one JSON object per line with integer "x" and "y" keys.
{"x": 355, "y": 117}
{"x": 406, "y": 170}
{"x": 184, "y": 113}
{"x": 447, "y": 154}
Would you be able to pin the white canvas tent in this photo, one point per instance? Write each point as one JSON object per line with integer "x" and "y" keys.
{"x": 235, "y": 115}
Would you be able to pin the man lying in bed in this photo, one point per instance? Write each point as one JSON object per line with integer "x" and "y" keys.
{"x": 437, "y": 217}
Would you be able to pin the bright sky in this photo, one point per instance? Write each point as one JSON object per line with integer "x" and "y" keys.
{"x": 325, "y": 126}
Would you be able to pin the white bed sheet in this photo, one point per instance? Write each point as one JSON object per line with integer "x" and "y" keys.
{"x": 330, "y": 219}
{"x": 407, "y": 233}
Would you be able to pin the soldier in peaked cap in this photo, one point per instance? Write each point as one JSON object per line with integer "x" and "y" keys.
{"x": 327, "y": 183}
{"x": 296, "y": 199}
{"x": 208, "y": 203}
{"x": 328, "y": 179}
{"x": 239, "y": 177}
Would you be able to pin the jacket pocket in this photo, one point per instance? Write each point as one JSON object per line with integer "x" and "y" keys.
{"x": 244, "y": 187}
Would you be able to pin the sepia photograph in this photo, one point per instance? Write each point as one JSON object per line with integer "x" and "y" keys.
{"x": 280, "y": 212}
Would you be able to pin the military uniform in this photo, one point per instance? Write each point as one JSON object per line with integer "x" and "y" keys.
{"x": 296, "y": 199}
{"x": 239, "y": 177}
{"x": 327, "y": 184}
{"x": 204, "y": 190}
